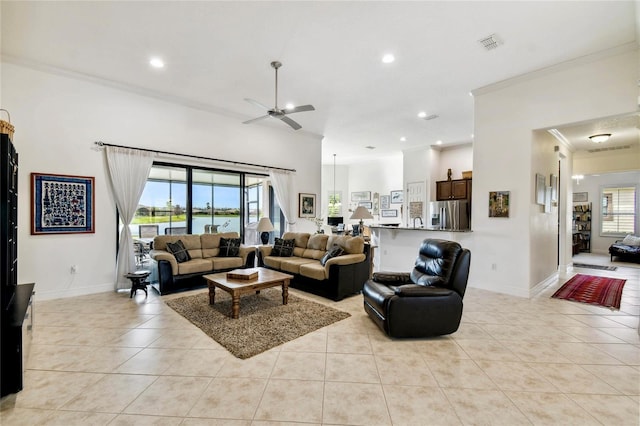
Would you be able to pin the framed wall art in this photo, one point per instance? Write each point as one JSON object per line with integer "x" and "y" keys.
{"x": 397, "y": 197}
{"x": 389, "y": 213}
{"x": 366, "y": 204}
{"x": 553, "y": 181}
{"x": 385, "y": 200}
{"x": 361, "y": 196}
{"x": 307, "y": 205}
{"x": 499, "y": 204}
{"x": 580, "y": 197}
{"x": 540, "y": 188}
{"x": 62, "y": 204}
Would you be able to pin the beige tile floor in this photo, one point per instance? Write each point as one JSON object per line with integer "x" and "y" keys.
{"x": 108, "y": 359}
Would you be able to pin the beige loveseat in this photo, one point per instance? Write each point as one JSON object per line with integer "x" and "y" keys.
{"x": 204, "y": 251}
{"x": 340, "y": 276}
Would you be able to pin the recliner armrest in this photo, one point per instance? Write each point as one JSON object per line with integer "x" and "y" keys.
{"x": 392, "y": 277}
{"x": 414, "y": 290}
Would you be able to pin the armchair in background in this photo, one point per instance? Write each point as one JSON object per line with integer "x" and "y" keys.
{"x": 426, "y": 301}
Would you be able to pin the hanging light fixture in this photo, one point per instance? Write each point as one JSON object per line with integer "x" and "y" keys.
{"x": 599, "y": 138}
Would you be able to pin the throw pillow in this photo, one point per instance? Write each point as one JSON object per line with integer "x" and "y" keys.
{"x": 229, "y": 247}
{"x": 179, "y": 251}
{"x": 283, "y": 248}
{"x": 334, "y": 251}
{"x": 631, "y": 240}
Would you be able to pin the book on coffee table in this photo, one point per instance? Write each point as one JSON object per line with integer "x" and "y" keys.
{"x": 243, "y": 274}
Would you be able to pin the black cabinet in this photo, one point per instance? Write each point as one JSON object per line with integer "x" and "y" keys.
{"x": 15, "y": 300}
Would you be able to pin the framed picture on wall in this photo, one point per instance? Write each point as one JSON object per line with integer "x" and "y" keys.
{"x": 389, "y": 213}
{"x": 361, "y": 196}
{"x": 62, "y": 204}
{"x": 397, "y": 197}
{"x": 540, "y": 188}
{"x": 580, "y": 197}
{"x": 366, "y": 204}
{"x": 499, "y": 204}
{"x": 307, "y": 205}
{"x": 553, "y": 181}
{"x": 385, "y": 201}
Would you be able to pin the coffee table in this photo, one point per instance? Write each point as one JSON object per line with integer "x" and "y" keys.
{"x": 236, "y": 287}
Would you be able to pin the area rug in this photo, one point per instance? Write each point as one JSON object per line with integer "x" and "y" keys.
{"x": 594, "y": 290}
{"x": 264, "y": 321}
{"x": 602, "y": 267}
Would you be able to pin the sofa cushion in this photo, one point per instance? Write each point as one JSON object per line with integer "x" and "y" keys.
{"x": 179, "y": 251}
{"x": 273, "y": 261}
{"x": 334, "y": 251}
{"x": 316, "y": 246}
{"x": 282, "y": 247}
{"x": 229, "y": 247}
{"x": 292, "y": 264}
{"x": 301, "y": 240}
{"x": 195, "y": 266}
{"x": 220, "y": 263}
{"x": 191, "y": 242}
{"x": 314, "y": 270}
{"x": 350, "y": 245}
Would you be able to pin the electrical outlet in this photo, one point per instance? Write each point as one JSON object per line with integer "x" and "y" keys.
{"x": 74, "y": 269}
{"x": 494, "y": 267}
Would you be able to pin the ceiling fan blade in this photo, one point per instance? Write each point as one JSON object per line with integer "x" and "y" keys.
{"x": 256, "y": 103}
{"x": 290, "y": 122}
{"x": 300, "y": 108}
{"x": 255, "y": 119}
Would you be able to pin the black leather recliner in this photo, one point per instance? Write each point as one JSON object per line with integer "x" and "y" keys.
{"x": 426, "y": 301}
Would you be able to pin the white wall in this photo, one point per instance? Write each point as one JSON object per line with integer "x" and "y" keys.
{"x": 381, "y": 176}
{"x": 57, "y": 119}
{"x": 457, "y": 158}
{"x": 505, "y": 116}
{"x": 592, "y": 184}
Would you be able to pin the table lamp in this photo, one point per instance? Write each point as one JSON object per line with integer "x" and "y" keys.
{"x": 361, "y": 213}
{"x": 264, "y": 227}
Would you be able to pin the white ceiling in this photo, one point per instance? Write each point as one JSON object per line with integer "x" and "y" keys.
{"x": 218, "y": 53}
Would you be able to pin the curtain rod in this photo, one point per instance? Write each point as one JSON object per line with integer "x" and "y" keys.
{"x": 100, "y": 143}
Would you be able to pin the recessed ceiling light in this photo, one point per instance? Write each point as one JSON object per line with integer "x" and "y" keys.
{"x": 156, "y": 63}
{"x": 388, "y": 58}
{"x": 471, "y": 135}
{"x": 403, "y": 139}
{"x": 438, "y": 142}
{"x": 422, "y": 114}
{"x": 289, "y": 106}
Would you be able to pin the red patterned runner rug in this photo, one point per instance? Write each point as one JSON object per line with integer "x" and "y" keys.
{"x": 594, "y": 290}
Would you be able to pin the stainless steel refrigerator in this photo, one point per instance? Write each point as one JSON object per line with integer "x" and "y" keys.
{"x": 449, "y": 215}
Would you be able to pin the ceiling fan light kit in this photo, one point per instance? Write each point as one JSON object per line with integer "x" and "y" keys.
{"x": 602, "y": 137}
{"x": 275, "y": 112}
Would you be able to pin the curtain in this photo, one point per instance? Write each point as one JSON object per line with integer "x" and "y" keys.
{"x": 281, "y": 182}
{"x": 129, "y": 170}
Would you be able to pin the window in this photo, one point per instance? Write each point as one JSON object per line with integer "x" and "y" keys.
{"x": 618, "y": 210}
{"x": 335, "y": 203}
{"x": 185, "y": 199}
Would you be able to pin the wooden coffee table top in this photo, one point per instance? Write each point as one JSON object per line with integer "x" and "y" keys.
{"x": 265, "y": 276}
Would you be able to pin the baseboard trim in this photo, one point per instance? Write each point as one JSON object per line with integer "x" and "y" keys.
{"x": 537, "y": 289}
{"x": 72, "y": 292}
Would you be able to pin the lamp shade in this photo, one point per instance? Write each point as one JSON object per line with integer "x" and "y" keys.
{"x": 361, "y": 213}
{"x": 265, "y": 225}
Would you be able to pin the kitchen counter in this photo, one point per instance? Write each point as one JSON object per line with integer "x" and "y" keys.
{"x": 398, "y": 245}
{"x": 408, "y": 228}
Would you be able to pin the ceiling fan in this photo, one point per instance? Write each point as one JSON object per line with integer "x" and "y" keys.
{"x": 276, "y": 112}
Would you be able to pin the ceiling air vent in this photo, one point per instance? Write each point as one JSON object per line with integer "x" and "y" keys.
{"x": 370, "y": 147}
{"x": 491, "y": 42}
{"x": 613, "y": 148}
{"x": 431, "y": 117}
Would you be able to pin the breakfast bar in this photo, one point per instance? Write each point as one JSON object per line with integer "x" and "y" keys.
{"x": 397, "y": 244}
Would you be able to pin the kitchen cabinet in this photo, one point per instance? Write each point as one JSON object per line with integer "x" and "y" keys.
{"x": 457, "y": 189}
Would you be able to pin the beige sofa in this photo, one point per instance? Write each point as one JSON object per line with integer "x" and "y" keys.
{"x": 341, "y": 276}
{"x": 204, "y": 251}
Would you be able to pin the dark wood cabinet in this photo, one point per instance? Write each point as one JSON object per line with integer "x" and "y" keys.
{"x": 458, "y": 189}
{"x": 15, "y": 300}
